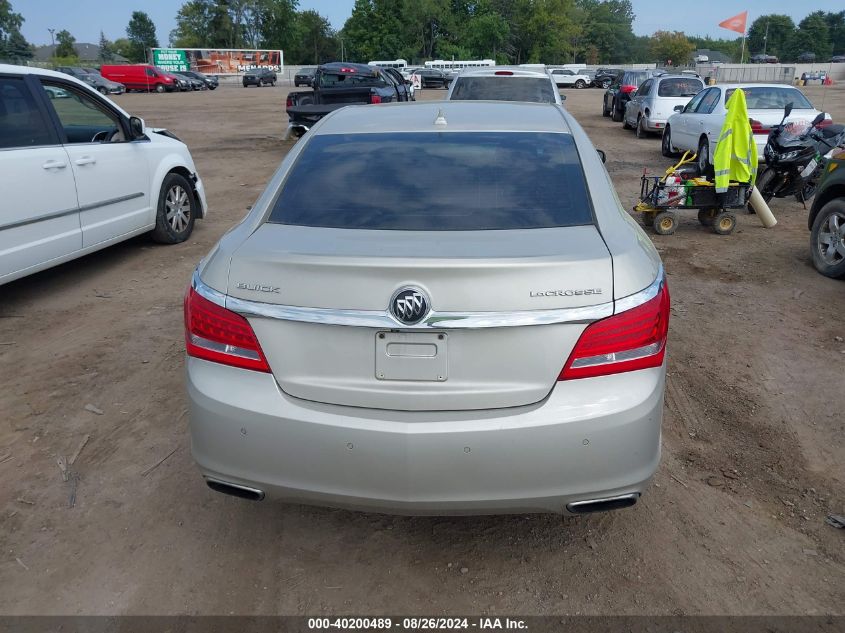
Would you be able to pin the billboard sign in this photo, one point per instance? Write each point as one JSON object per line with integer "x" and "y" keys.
{"x": 217, "y": 61}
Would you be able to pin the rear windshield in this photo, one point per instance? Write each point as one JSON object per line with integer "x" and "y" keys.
{"x": 537, "y": 89}
{"x": 341, "y": 80}
{"x": 680, "y": 87}
{"x": 443, "y": 181}
{"x": 772, "y": 98}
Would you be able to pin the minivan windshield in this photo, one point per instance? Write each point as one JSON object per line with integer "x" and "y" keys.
{"x": 436, "y": 181}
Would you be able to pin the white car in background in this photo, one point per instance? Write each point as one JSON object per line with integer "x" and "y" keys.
{"x": 80, "y": 174}
{"x": 696, "y": 126}
{"x": 568, "y": 78}
{"x": 655, "y": 101}
{"x": 505, "y": 83}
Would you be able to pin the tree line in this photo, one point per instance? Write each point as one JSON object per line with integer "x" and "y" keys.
{"x": 509, "y": 31}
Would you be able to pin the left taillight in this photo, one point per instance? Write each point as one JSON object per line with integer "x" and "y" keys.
{"x": 631, "y": 340}
{"x": 289, "y": 102}
{"x": 220, "y": 335}
{"x": 375, "y": 99}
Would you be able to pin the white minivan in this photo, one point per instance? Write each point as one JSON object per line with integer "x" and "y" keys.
{"x": 78, "y": 173}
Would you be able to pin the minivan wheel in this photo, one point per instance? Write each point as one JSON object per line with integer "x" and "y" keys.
{"x": 160, "y": 88}
{"x": 605, "y": 84}
{"x": 177, "y": 210}
{"x": 827, "y": 239}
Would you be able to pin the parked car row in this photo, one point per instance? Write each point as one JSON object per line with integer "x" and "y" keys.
{"x": 119, "y": 78}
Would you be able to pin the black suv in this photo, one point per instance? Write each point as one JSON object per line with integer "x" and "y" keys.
{"x": 605, "y": 77}
{"x": 827, "y": 220}
{"x": 259, "y": 77}
{"x": 304, "y": 77}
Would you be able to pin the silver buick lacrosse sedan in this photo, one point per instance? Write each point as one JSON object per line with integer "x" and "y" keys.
{"x": 433, "y": 308}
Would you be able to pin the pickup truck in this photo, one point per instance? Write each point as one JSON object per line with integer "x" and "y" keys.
{"x": 339, "y": 84}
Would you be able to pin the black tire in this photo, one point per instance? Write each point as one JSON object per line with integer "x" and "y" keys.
{"x": 648, "y": 218}
{"x": 764, "y": 184}
{"x": 706, "y": 216}
{"x": 580, "y": 84}
{"x": 823, "y": 235}
{"x": 665, "y": 223}
{"x": 103, "y": 90}
{"x": 616, "y": 114}
{"x": 640, "y": 130}
{"x": 604, "y": 110}
{"x": 160, "y": 88}
{"x": 605, "y": 84}
{"x": 625, "y": 124}
{"x": 703, "y": 154}
{"x": 183, "y": 210}
{"x": 724, "y": 223}
{"x": 666, "y": 144}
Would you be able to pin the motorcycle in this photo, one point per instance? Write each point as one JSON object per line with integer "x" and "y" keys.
{"x": 795, "y": 155}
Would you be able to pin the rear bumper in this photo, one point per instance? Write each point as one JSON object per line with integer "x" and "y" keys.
{"x": 589, "y": 439}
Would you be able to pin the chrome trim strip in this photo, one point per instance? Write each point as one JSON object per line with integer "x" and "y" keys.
{"x": 59, "y": 214}
{"x": 434, "y": 320}
{"x": 43, "y": 218}
{"x": 105, "y": 203}
{"x": 647, "y": 294}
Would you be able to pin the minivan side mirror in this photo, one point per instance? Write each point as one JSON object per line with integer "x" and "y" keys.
{"x": 137, "y": 127}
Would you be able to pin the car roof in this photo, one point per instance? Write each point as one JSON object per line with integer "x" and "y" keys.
{"x": 460, "y": 116}
{"x": 337, "y": 66}
{"x": 515, "y": 71}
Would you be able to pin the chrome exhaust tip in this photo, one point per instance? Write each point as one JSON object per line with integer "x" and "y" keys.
{"x": 235, "y": 490}
{"x": 603, "y": 505}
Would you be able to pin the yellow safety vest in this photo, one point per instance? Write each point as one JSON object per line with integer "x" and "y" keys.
{"x": 735, "y": 158}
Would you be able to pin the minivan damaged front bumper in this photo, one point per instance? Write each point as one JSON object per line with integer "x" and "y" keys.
{"x": 593, "y": 439}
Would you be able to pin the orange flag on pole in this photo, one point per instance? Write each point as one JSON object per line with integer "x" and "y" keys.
{"x": 736, "y": 23}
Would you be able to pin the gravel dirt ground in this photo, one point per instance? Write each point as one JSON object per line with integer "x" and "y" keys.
{"x": 753, "y": 435}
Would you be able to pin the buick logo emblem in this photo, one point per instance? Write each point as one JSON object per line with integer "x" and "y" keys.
{"x": 409, "y": 305}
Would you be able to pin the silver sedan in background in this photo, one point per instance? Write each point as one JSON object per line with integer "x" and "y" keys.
{"x": 369, "y": 338}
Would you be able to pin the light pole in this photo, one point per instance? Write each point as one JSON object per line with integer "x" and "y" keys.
{"x": 52, "y": 38}
{"x": 766, "y": 37}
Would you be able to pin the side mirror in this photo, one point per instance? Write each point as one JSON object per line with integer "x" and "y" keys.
{"x": 602, "y": 155}
{"x": 679, "y": 108}
{"x": 137, "y": 127}
{"x": 819, "y": 118}
{"x": 787, "y": 110}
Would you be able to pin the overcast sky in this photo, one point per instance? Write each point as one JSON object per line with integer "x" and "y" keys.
{"x": 85, "y": 18}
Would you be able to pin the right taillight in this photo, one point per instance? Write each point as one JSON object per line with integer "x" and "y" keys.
{"x": 220, "y": 335}
{"x": 375, "y": 98}
{"x": 289, "y": 102}
{"x": 631, "y": 340}
{"x": 627, "y": 89}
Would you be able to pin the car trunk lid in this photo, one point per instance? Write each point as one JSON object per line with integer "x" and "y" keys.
{"x": 386, "y": 365}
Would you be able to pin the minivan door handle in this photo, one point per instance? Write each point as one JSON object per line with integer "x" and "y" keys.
{"x": 85, "y": 160}
{"x": 54, "y": 164}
